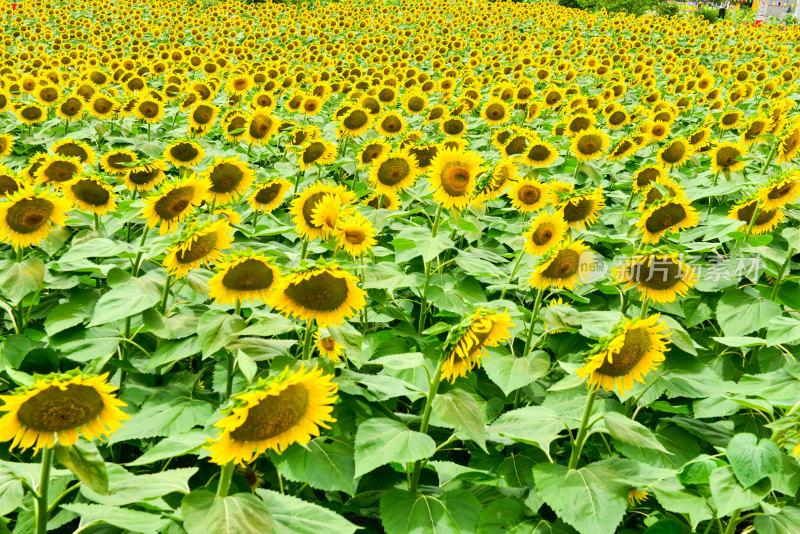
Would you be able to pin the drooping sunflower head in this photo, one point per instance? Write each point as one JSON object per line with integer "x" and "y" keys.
{"x": 184, "y": 153}
{"x": 546, "y": 231}
{"x": 789, "y": 143}
{"x": 646, "y": 175}
{"x": 560, "y": 267}
{"x": 234, "y": 126}
{"x": 27, "y": 216}
{"x": 728, "y": 156}
{"x": 328, "y": 347}
{"x": 355, "y": 234}
{"x": 274, "y": 413}
{"x": 540, "y": 154}
{"x": 492, "y": 186}
{"x": 485, "y": 328}
{"x": 700, "y": 138}
{"x": 387, "y": 201}
{"x": 632, "y": 350}
{"x": 202, "y": 117}
{"x": 453, "y": 176}
{"x": 373, "y": 151}
{"x": 202, "y": 244}
{"x": 589, "y": 144}
{"x": 529, "y": 195}
{"x": 317, "y": 151}
{"x": 146, "y": 176}
{"x": 304, "y": 204}
{"x": 658, "y": 277}
{"x": 666, "y": 215}
{"x": 394, "y": 171}
{"x": 90, "y": 194}
{"x": 581, "y": 209}
{"x": 765, "y": 219}
{"x": 755, "y": 129}
{"x": 173, "y": 202}
{"x": 783, "y": 189}
{"x": 424, "y": 154}
{"x": 517, "y": 144}
{"x": 228, "y": 178}
{"x": 58, "y": 170}
{"x": 625, "y": 147}
{"x": 659, "y": 189}
{"x": 269, "y": 195}
{"x": 326, "y": 293}
{"x": 244, "y": 277}
{"x": 327, "y": 211}
{"x": 58, "y": 408}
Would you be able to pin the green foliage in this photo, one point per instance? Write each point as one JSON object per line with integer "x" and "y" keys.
{"x": 710, "y": 14}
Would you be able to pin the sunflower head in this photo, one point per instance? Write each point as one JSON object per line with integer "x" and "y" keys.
{"x": 581, "y": 209}
{"x": 394, "y": 171}
{"x": 145, "y": 176}
{"x": 561, "y": 267}
{"x": 728, "y": 157}
{"x": 184, "y": 153}
{"x": 91, "y": 194}
{"x": 328, "y": 347}
{"x": 355, "y": 234}
{"x": 540, "y": 154}
{"x": 660, "y": 277}
{"x": 589, "y": 144}
{"x": 317, "y": 151}
{"x": 752, "y": 211}
{"x": 173, "y": 202}
{"x": 228, "y": 178}
{"x": 304, "y": 204}
{"x": 269, "y": 195}
{"x": 58, "y": 170}
{"x": 199, "y": 245}
{"x": 71, "y": 148}
{"x": 529, "y": 195}
{"x": 243, "y": 277}
{"x": 468, "y": 342}
{"x": 491, "y": 186}
{"x": 10, "y": 182}
{"x": 27, "y": 216}
{"x": 781, "y": 190}
{"x": 546, "y": 231}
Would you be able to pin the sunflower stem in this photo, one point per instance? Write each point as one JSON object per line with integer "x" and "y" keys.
{"x": 229, "y": 377}
{"x": 534, "y": 315}
{"x": 513, "y": 272}
{"x": 139, "y": 254}
{"x": 785, "y": 265}
{"x": 734, "y": 521}
{"x": 44, "y": 486}
{"x": 226, "y": 473}
{"x": 645, "y": 308}
{"x": 66, "y": 127}
{"x": 249, "y": 147}
{"x": 756, "y": 212}
{"x": 96, "y": 222}
{"x": 307, "y": 340}
{"x": 165, "y": 294}
{"x": 20, "y": 253}
{"x": 148, "y": 132}
{"x": 580, "y": 440}
{"x": 711, "y": 198}
{"x": 426, "y": 417}
{"x": 630, "y": 199}
{"x": 769, "y": 157}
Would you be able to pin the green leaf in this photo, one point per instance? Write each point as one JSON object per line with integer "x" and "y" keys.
{"x": 205, "y": 513}
{"x": 10, "y": 494}
{"x": 588, "y": 499}
{"x": 538, "y": 425}
{"x": 100, "y": 247}
{"x": 85, "y": 461}
{"x": 452, "y": 512}
{"x": 170, "y": 351}
{"x": 783, "y": 330}
{"x": 740, "y": 313}
{"x": 666, "y": 526}
{"x": 511, "y": 372}
{"x": 460, "y": 409}
{"x": 131, "y": 520}
{"x": 216, "y": 329}
{"x": 414, "y": 241}
{"x": 675, "y": 498}
{"x": 296, "y": 516}
{"x": 21, "y": 278}
{"x": 380, "y": 441}
{"x": 787, "y": 521}
{"x": 322, "y": 464}
{"x": 730, "y": 496}
{"x": 172, "y": 447}
{"x": 124, "y": 300}
{"x": 501, "y": 515}
{"x": 752, "y": 459}
{"x": 70, "y": 313}
{"x": 629, "y": 431}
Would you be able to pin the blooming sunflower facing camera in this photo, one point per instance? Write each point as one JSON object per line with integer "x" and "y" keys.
{"x": 316, "y": 151}
{"x": 184, "y": 153}
{"x": 243, "y": 277}
{"x": 728, "y": 157}
{"x": 485, "y": 328}
{"x": 589, "y": 144}
{"x": 394, "y": 171}
{"x": 145, "y": 177}
{"x": 540, "y": 154}
{"x": 529, "y": 195}
{"x": 666, "y": 215}
{"x": 582, "y": 209}
{"x": 658, "y": 276}
{"x": 227, "y": 178}
{"x": 546, "y": 231}
{"x": 268, "y": 196}
{"x": 90, "y": 194}
{"x": 274, "y": 413}
{"x": 453, "y": 176}
{"x": 58, "y": 408}
{"x": 27, "y": 216}
{"x": 324, "y": 293}
{"x": 355, "y": 234}
{"x": 328, "y": 347}
{"x": 173, "y": 202}
{"x": 560, "y": 267}
{"x": 303, "y": 207}
{"x": 201, "y": 245}
{"x": 633, "y": 349}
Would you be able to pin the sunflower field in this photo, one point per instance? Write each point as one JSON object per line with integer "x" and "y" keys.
{"x": 435, "y": 266}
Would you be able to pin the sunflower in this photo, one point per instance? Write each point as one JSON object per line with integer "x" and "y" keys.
{"x": 728, "y": 157}
{"x": 355, "y": 122}
{"x": 589, "y": 144}
{"x": 184, "y": 153}
{"x": 492, "y": 186}
{"x": 60, "y": 407}
{"x": 560, "y": 267}
{"x": 317, "y": 151}
{"x": 390, "y": 123}
{"x": 394, "y": 171}
{"x": 453, "y": 176}
{"x": 700, "y": 138}
{"x": 328, "y": 347}
{"x": 202, "y": 116}
{"x": 33, "y": 166}
{"x": 74, "y": 149}
{"x": 58, "y": 170}
{"x": 261, "y": 127}
{"x": 6, "y": 145}
{"x": 372, "y": 151}
{"x": 234, "y": 125}
{"x": 31, "y": 113}
{"x": 540, "y": 154}
{"x": 495, "y": 111}
{"x": 27, "y": 216}
{"x": 173, "y": 202}
{"x": 546, "y": 231}
{"x": 228, "y": 177}
{"x": 636, "y": 497}
{"x": 658, "y": 277}
{"x": 268, "y": 196}
{"x": 647, "y": 175}
{"x": 765, "y": 221}
{"x": 424, "y": 154}
{"x": 389, "y": 201}
{"x": 243, "y": 277}
{"x": 453, "y": 126}
{"x": 675, "y": 154}
{"x": 118, "y": 161}
{"x": 517, "y": 144}
{"x": 785, "y": 189}
{"x": 355, "y": 234}
{"x": 754, "y": 130}
{"x": 325, "y": 293}
{"x": 632, "y": 350}
{"x": 71, "y": 108}
{"x": 414, "y": 102}
{"x": 102, "y": 106}
{"x": 665, "y": 215}
{"x": 326, "y": 212}
{"x": 485, "y": 329}
{"x": 303, "y": 207}
{"x": 10, "y": 182}
{"x": 201, "y": 245}
{"x": 581, "y": 210}
{"x": 149, "y": 110}
{"x": 274, "y": 413}
{"x": 90, "y": 194}
{"x": 529, "y": 195}
{"x": 622, "y": 149}
{"x": 789, "y": 143}
{"x": 145, "y": 177}
{"x": 653, "y": 192}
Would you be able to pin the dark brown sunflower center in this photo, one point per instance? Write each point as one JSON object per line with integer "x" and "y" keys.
{"x": 184, "y": 152}
{"x": 54, "y": 409}
{"x": 274, "y": 415}
{"x": 727, "y": 156}
{"x": 579, "y": 124}
{"x": 31, "y": 113}
{"x": 674, "y": 153}
{"x": 697, "y": 137}
{"x": 73, "y": 150}
{"x": 386, "y": 95}
{"x": 495, "y": 112}
{"x": 250, "y": 275}
{"x": 393, "y": 171}
{"x": 539, "y": 152}
{"x": 355, "y": 119}
{"x": 654, "y": 194}
{"x": 635, "y": 347}
{"x": 424, "y": 155}
{"x": 29, "y": 214}
{"x": 268, "y": 193}
{"x": 71, "y": 106}
{"x": 313, "y": 152}
{"x": 260, "y": 126}
{"x": 658, "y": 130}
{"x": 755, "y": 129}
{"x": 370, "y": 153}
{"x": 646, "y": 176}
{"x": 148, "y": 109}
{"x": 529, "y": 194}
{"x": 236, "y": 123}
{"x": 48, "y": 94}
{"x": 780, "y": 191}
{"x": 730, "y": 118}
{"x": 578, "y": 210}
{"x": 174, "y": 203}
{"x": 308, "y": 208}
{"x": 225, "y": 178}
{"x": 518, "y": 145}
{"x": 623, "y": 147}
{"x": 386, "y": 203}
{"x": 616, "y": 118}
{"x": 116, "y": 161}
{"x": 143, "y": 175}
{"x": 203, "y": 114}
{"x": 60, "y": 171}
{"x": 328, "y": 343}
{"x": 322, "y": 292}
{"x": 589, "y": 144}
{"x": 91, "y": 192}
{"x": 745, "y": 214}
{"x": 391, "y": 124}
{"x": 665, "y": 217}
{"x": 354, "y": 236}
{"x": 8, "y": 185}
{"x": 791, "y": 142}
{"x": 102, "y": 105}
{"x": 199, "y": 249}
{"x": 455, "y": 179}
{"x": 564, "y": 265}
{"x": 543, "y": 234}
{"x": 416, "y": 104}
{"x": 659, "y": 273}
{"x": 436, "y": 113}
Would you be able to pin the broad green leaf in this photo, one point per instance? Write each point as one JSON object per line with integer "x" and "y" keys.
{"x": 205, "y": 513}
{"x": 21, "y": 278}
{"x": 511, "y": 372}
{"x": 629, "y": 431}
{"x": 126, "y": 299}
{"x": 173, "y": 447}
{"x": 414, "y": 241}
{"x": 380, "y": 441}
{"x": 501, "y": 515}
{"x": 787, "y": 521}
{"x": 588, "y": 499}
{"x": 740, "y": 313}
{"x": 452, "y": 512}
{"x": 70, "y": 313}
{"x": 10, "y": 494}
{"x": 100, "y": 247}
{"x": 409, "y": 360}
{"x": 217, "y": 329}
{"x": 753, "y": 459}
{"x": 130, "y": 520}
{"x": 533, "y": 424}
{"x": 666, "y": 526}
{"x": 460, "y": 409}
{"x": 126, "y": 488}
{"x": 296, "y": 516}
{"x": 322, "y": 463}
{"x": 730, "y": 496}
{"x": 170, "y": 351}
{"x": 85, "y": 461}
{"x": 783, "y": 330}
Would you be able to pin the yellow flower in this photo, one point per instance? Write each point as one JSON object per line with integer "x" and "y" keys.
{"x": 118, "y": 161}
{"x": 589, "y": 144}
{"x": 785, "y": 189}
{"x": 90, "y": 194}
{"x": 71, "y": 148}
{"x": 303, "y": 207}
{"x": 658, "y": 277}
{"x": 529, "y": 195}
{"x": 486, "y": 329}
{"x": 202, "y": 246}
{"x": 261, "y": 127}
{"x": 6, "y": 145}
{"x": 184, "y": 153}
{"x": 765, "y": 221}
{"x": 393, "y": 171}
{"x": 26, "y": 216}
{"x": 390, "y": 123}
{"x": 676, "y": 153}
{"x": 173, "y": 202}
{"x": 355, "y": 234}
{"x": 666, "y": 215}
{"x": 317, "y": 151}
{"x": 228, "y": 177}
{"x": 560, "y": 267}
{"x": 540, "y": 154}
{"x": 58, "y": 170}
{"x": 728, "y": 157}
{"x": 243, "y": 277}
{"x": 453, "y": 176}
{"x": 582, "y": 210}
{"x": 145, "y": 177}
{"x": 495, "y": 111}
{"x": 355, "y": 122}
{"x": 546, "y": 231}
{"x": 269, "y": 195}
{"x": 328, "y": 347}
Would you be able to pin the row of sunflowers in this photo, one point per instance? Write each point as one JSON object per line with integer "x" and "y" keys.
{"x": 391, "y": 266}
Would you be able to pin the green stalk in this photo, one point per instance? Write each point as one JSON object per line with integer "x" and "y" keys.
{"x": 534, "y": 315}
{"x": 645, "y": 308}
{"x": 711, "y": 199}
{"x": 777, "y": 285}
{"x": 140, "y": 253}
{"x": 426, "y": 417}
{"x": 424, "y": 300}
{"x": 165, "y": 294}
{"x": 44, "y": 486}
{"x": 733, "y": 523}
{"x": 769, "y": 157}
{"x": 96, "y": 222}
{"x": 513, "y": 272}
{"x": 580, "y": 440}
{"x": 756, "y": 212}
{"x": 20, "y": 254}
{"x": 229, "y": 378}
{"x": 307, "y": 340}
{"x": 226, "y": 473}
